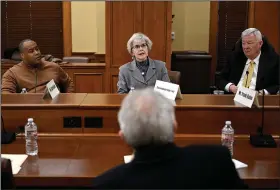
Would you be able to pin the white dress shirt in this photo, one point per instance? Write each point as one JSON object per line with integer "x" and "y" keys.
{"x": 254, "y": 76}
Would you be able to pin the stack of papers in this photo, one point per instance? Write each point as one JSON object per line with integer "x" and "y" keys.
{"x": 238, "y": 164}
{"x": 16, "y": 161}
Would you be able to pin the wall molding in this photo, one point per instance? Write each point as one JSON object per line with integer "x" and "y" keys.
{"x": 67, "y": 28}
{"x": 93, "y": 57}
{"x": 213, "y": 30}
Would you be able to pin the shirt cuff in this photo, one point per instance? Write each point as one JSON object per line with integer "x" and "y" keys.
{"x": 227, "y": 86}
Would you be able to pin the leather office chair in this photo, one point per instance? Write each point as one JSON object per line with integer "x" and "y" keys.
{"x": 74, "y": 59}
{"x": 189, "y": 65}
{"x": 7, "y": 178}
{"x": 174, "y": 77}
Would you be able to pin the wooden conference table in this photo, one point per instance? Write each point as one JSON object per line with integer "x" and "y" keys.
{"x": 97, "y": 113}
{"x": 72, "y": 156}
{"x": 75, "y": 161}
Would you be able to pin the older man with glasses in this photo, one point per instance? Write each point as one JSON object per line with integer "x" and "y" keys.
{"x": 143, "y": 71}
{"x": 254, "y": 65}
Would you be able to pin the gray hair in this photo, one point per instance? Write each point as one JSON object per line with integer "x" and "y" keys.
{"x": 146, "y": 117}
{"x": 139, "y": 36}
{"x": 254, "y": 31}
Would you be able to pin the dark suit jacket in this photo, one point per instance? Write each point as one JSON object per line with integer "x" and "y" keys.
{"x": 169, "y": 166}
{"x": 268, "y": 71}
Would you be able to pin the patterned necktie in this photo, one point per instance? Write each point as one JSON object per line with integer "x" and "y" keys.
{"x": 248, "y": 77}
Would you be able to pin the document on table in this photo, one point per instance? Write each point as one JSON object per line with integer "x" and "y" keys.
{"x": 16, "y": 161}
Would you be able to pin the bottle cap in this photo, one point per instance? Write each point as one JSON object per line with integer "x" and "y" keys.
{"x": 30, "y": 120}
{"x": 228, "y": 122}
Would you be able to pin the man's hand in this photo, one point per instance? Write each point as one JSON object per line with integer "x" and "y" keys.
{"x": 233, "y": 88}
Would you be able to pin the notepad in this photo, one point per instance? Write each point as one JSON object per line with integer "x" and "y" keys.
{"x": 16, "y": 161}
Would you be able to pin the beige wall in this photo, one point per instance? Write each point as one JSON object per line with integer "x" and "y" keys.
{"x": 191, "y": 25}
{"x": 88, "y": 26}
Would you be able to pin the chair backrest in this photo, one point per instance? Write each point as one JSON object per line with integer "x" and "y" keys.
{"x": 74, "y": 59}
{"x": 174, "y": 77}
{"x": 7, "y": 178}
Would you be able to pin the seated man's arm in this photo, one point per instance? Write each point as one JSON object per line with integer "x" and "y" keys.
{"x": 65, "y": 81}
{"x": 9, "y": 83}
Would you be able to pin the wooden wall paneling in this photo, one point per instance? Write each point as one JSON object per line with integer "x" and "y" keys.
{"x": 99, "y": 58}
{"x": 110, "y": 121}
{"x": 15, "y": 118}
{"x": 67, "y": 30}
{"x": 214, "y": 8}
{"x": 114, "y": 80}
{"x": 89, "y": 82}
{"x": 157, "y": 20}
{"x": 108, "y": 37}
{"x": 90, "y": 55}
{"x": 267, "y": 20}
{"x": 128, "y": 15}
{"x": 122, "y": 23}
{"x": 251, "y": 14}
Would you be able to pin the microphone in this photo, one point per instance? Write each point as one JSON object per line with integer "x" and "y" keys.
{"x": 260, "y": 139}
{"x": 247, "y": 73}
{"x": 6, "y": 137}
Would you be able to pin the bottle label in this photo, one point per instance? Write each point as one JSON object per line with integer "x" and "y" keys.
{"x": 227, "y": 137}
{"x": 32, "y": 133}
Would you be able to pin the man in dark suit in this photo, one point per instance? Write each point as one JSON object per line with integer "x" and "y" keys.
{"x": 253, "y": 64}
{"x": 147, "y": 122}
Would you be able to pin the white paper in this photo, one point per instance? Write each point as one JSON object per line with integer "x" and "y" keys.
{"x": 15, "y": 170}
{"x": 16, "y": 161}
{"x": 239, "y": 164}
{"x": 167, "y": 89}
{"x": 128, "y": 158}
{"x": 245, "y": 96}
{"x": 52, "y": 89}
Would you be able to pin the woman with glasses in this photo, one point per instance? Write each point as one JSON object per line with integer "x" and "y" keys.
{"x": 142, "y": 71}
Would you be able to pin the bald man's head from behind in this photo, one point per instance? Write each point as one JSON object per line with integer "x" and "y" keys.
{"x": 30, "y": 52}
{"x": 146, "y": 117}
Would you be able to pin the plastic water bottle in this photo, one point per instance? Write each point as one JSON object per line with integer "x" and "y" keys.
{"x": 228, "y": 136}
{"x": 31, "y": 138}
{"x": 23, "y": 91}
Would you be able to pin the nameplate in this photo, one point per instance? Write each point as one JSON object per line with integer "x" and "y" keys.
{"x": 169, "y": 90}
{"x": 246, "y": 97}
{"x": 52, "y": 89}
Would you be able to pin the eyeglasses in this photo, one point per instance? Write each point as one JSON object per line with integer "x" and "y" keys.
{"x": 138, "y": 46}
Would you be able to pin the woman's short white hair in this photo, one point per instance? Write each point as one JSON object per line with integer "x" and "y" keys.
{"x": 139, "y": 36}
{"x": 254, "y": 31}
{"x": 146, "y": 117}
